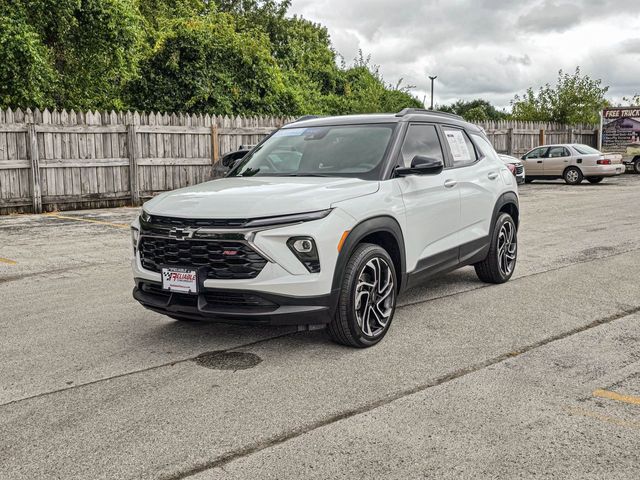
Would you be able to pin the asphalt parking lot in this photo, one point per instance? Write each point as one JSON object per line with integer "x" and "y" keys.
{"x": 539, "y": 377}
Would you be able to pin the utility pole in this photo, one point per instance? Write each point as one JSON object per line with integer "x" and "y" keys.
{"x": 432, "y": 80}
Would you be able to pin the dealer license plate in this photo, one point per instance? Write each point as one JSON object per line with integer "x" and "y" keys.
{"x": 180, "y": 280}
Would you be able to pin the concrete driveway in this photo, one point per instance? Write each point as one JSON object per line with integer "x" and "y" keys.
{"x": 539, "y": 377}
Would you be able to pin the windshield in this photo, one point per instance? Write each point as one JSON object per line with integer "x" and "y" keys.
{"x": 586, "y": 149}
{"x": 331, "y": 151}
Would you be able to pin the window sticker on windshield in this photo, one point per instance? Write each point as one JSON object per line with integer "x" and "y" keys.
{"x": 290, "y": 132}
{"x": 458, "y": 145}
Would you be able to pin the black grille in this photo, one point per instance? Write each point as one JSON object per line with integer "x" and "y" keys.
{"x": 214, "y": 299}
{"x": 171, "y": 222}
{"x": 232, "y": 299}
{"x": 218, "y": 259}
{"x": 519, "y": 169}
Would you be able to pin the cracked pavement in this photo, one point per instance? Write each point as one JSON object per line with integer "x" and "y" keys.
{"x": 472, "y": 381}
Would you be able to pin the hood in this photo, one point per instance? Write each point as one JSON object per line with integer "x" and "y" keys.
{"x": 254, "y": 197}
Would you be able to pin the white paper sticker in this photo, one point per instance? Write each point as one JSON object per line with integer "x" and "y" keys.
{"x": 458, "y": 145}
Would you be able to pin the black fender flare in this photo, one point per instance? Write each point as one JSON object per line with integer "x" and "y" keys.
{"x": 508, "y": 198}
{"x": 385, "y": 224}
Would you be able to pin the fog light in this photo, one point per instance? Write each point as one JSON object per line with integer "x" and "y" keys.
{"x": 305, "y": 249}
{"x": 303, "y": 246}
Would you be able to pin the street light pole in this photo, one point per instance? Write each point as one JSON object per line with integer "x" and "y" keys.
{"x": 432, "y": 80}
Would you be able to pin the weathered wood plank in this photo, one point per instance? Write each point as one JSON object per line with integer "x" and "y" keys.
{"x": 34, "y": 156}
{"x": 93, "y": 129}
{"x": 132, "y": 146}
{"x": 13, "y": 127}
{"x": 84, "y": 163}
{"x": 188, "y": 161}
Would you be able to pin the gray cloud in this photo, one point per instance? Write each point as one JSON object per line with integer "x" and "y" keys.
{"x": 485, "y": 48}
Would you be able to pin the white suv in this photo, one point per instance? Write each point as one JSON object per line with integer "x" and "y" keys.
{"x": 326, "y": 221}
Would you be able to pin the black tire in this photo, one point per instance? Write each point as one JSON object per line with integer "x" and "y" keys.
{"x": 595, "y": 179}
{"x": 528, "y": 180}
{"x": 636, "y": 165}
{"x": 573, "y": 176}
{"x": 345, "y": 328}
{"x": 492, "y": 269}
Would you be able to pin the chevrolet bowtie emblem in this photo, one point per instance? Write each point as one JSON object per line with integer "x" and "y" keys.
{"x": 182, "y": 233}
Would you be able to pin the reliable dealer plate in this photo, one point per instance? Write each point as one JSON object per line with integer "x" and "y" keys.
{"x": 180, "y": 280}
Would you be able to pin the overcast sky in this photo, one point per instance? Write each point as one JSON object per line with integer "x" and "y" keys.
{"x": 489, "y": 49}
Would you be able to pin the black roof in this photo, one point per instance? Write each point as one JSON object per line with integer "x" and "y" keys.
{"x": 406, "y": 115}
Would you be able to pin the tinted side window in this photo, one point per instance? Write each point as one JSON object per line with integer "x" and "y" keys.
{"x": 485, "y": 147}
{"x": 461, "y": 147}
{"x": 420, "y": 140}
{"x": 557, "y": 152}
{"x": 537, "y": 153}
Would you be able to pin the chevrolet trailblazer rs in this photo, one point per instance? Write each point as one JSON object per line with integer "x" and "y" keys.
{"x": 327, "y": 221}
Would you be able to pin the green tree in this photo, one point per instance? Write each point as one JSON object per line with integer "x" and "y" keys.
{"x": 27, "y": 77}
{"x": 475, "y": 110}
{"x": 206, "y": 65}
{"x": 632, "y": 101}
{"x": 92, "y": 49}
{"x": 575, "y": 99}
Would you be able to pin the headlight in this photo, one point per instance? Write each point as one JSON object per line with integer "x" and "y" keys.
{"x": 287, "y": 219}
{"x": 144, "y": 216}
{"x": 305, "y": 249}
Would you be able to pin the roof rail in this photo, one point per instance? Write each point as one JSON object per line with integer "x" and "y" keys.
{"x": 408, "y": 111}
{"x": 306, "y": 117}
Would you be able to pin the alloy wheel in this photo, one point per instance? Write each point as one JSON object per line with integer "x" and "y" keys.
{"x": 374, "y": 297}
{"x": 507, "y": 248}
{"x": 572, "y": 176}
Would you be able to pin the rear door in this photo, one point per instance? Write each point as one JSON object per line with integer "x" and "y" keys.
{"x": 556, "y": 160}
{"x": 477, "y": 172}
{"x": 432, "y": 204}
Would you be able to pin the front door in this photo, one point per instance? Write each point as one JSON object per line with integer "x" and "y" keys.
{"x": 533, "y": 162}
{"x": 432, "y": 205}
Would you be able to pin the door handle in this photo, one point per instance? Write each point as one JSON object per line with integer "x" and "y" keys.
{"x": 539, "y": 161}
{"x": 492, "y": 175}
{"x": 450, "y": 183}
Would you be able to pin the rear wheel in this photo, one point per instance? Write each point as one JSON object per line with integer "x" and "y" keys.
{"x": 501, "y": 260}
{"x": 594, "y": 179}
{"x": 367, "y": 299}
{"x": 573, "y": 176}
{"x": 636, "y": 165}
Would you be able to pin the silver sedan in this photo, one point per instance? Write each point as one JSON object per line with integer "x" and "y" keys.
{"x": 571, "y": 162}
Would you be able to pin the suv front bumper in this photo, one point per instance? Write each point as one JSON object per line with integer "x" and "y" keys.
{"x": 283, "y": 293}
{"x": 237, "y": 306}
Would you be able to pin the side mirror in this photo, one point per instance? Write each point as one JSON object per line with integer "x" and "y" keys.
{"x": 523, "y": 157}
{"x": 230, "y": 159}
{"x": 421, "y": 165}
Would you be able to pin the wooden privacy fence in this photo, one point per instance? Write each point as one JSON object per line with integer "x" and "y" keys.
{"x": 67, "y": 160}
{"x": 517, "y": 138}
{"x": 71, "y": 160}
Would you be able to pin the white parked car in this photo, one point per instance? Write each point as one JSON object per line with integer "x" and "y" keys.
{"x": 515, "y": 166}
{"x": 326, "y": 221}
{"x": 571, "y": 162}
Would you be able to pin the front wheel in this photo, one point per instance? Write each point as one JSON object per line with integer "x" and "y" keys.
{"x": 500, "y": 263}
{"x": 636, "y": 165}
{"x": 367, "y": 299}
{"x": 573, "y": 176}
{"x": 595, "y": 179}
